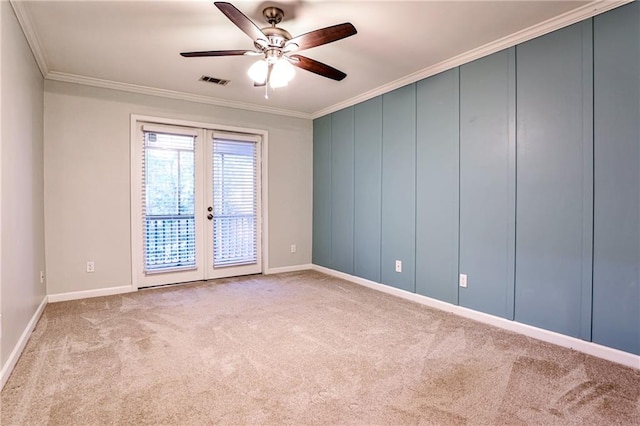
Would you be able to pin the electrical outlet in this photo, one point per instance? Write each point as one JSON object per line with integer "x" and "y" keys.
{"x": 41, "y": 277}
{"x": 398, "y": 265}
{"x": 293, "y": 248}
{"x": 463, "y": 280}
{"x": 91, "y": 266}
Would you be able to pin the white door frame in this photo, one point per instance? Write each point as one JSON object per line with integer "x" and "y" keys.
{"x": 136, "y": 184}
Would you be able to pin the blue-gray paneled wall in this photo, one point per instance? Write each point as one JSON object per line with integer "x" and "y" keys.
{"x": 437, "y": 183}
{"x": 616, "y": 267}
{"x": 342, "y": 191}
{"x": 487, "y": 183}
{"x": 321, "y": 249}
{"x": 548, "y": 133}
{"x": 398, "y": 220}
{"x": 554, "y": 181}
{"x": 367, "y": 195}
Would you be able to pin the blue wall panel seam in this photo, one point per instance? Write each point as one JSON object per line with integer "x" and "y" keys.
{"x": 456, "y": 280}
{"x": 513, "y": 158}
{"x": 331, "y": 190}
{"x": 457, "y": 276}
{"x": 586, "y": 322}
{"x": 381, "y": 182}
{"x": 415, "y": 187}
{"x": 353, "y": 191}
{"x": 593, "y": 165}
{"x": 415, "y": 183}
{"x": 353, "y": 194}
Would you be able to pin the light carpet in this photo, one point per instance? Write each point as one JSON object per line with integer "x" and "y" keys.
{"x": 299, "y": 348}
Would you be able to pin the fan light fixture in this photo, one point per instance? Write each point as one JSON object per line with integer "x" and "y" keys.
{"x": 282, "y": 72}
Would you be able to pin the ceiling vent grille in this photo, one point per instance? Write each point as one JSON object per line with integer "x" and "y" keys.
{"x": 214, "y": 80}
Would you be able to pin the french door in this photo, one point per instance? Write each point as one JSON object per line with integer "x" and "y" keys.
{"x": 196, "y": 204}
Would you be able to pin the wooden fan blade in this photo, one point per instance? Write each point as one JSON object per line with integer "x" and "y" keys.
{"x": 240, "y": 20}
{"x": 215, "y": 53}
{"x": 317, "y": 67}
{"x": 320, "y": 37}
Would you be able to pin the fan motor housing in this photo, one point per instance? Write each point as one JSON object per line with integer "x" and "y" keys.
{"x": 277, "y": 36}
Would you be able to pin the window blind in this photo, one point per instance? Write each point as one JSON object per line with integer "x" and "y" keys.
{"x": 235, "y": 203}
{"x": 168, "y": 200}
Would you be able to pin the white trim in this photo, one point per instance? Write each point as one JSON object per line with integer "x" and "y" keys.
{"x": 8, "y": 366}
{"x": 264, "y": 167}
{"x": 181, "y": 131}
{"x": 196, "y": 124}
{"x": 293, "y": 268}
{"x": 171, "y": 94}
{"x": 2, "y": 381}
{"x": 30, "y": 34}
{"x": 590, "y": 348}
{"x": 134, "y": 192}
{"x": 85, "y": 294}
{"x": 579, "y": 14}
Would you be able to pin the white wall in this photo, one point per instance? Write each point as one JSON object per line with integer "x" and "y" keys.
{"x": 2, "y": 25}
{"x": 21, "y": 193}
{"x": 87, "y": 182}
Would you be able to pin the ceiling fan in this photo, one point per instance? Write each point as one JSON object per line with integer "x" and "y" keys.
{"x": 277, "y": 47}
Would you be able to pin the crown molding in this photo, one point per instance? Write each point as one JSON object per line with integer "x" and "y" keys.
{"x": 36, "y": 48}
{"x": 30, "y": 34}
{"x": 171, "y": 94}
{"x": 579, "y": 14}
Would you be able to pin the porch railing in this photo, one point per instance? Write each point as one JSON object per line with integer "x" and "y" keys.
{"x": 170, "y": 241}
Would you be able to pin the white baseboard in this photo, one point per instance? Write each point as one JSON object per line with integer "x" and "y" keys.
{"x": 604, "y": 352}
{"x": 8, "y": 366}
{"x": 282, "y": 269}
{"x": 85, "y": 294}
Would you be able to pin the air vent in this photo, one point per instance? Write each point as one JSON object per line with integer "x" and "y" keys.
{"x": 214, "y": 80}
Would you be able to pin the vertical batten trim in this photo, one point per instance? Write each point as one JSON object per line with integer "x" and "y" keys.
{"x": 512, "y": 195}
{"x": 415, "y": 191}
{"x": 415, "y": 186}
{"x": 353, "y": 189}
{"x": 456, "y": 208}
{"x": 380, "y": 111}
{"x": 587, "y": 180}
{"x": 330, "y": 243}
{"x": 381, "y": 184}
{"x": 457, "y": 284}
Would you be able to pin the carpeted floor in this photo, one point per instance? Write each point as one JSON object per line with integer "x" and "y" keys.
{"x": 299, "y": 348}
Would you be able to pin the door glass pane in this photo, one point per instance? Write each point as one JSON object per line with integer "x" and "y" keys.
{"x": 169, "y": 202}
{"x": 234, "y": 203}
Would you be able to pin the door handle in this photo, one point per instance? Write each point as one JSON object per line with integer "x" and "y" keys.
{"x": 209, "y": 216}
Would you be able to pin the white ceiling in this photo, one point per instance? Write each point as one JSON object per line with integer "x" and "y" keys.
{"x": 135, "y": 45}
